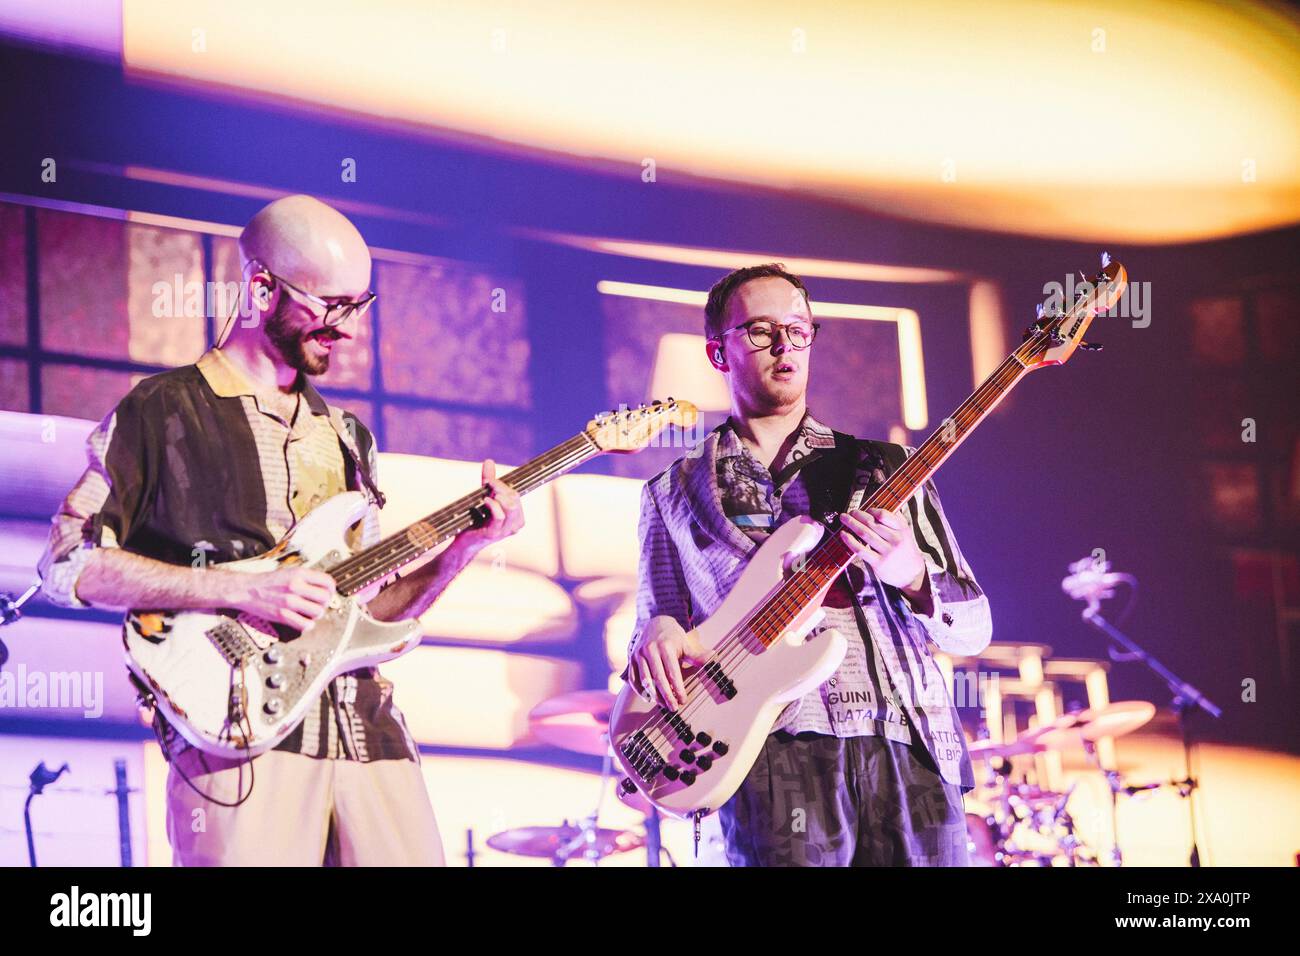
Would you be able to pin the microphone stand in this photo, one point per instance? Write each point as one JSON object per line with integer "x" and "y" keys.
{"x": 41, "y": 778}
{"x": 1185, "y": 699}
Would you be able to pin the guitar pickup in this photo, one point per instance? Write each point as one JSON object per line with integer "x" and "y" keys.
{"x": 679, "y": 726}
{"x": 715, "y": 675}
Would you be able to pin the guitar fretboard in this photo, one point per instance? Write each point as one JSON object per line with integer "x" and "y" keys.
{"x": 398, "y": 550}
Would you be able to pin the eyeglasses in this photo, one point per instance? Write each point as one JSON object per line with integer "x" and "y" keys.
{"x": 800, "y": 335}
{"x": 336, "y": 313}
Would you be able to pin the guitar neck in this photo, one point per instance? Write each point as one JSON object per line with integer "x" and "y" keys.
{"x": 943, "y": 441}
{"x": 416, "y": 540}
{"x": 825, "y": 562}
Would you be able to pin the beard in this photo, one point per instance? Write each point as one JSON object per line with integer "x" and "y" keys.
{"x": 769, "y": 395}
{"x": 290, "y": 341}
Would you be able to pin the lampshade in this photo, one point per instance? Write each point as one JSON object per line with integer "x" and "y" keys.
{"x": 682, "y": 370}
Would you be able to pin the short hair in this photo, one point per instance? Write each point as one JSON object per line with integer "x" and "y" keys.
{"x": 722, "y": 291}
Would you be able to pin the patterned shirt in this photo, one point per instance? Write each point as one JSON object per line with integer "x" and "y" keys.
{"x": 196, "y": 466}
{"x": 852, "y": 703}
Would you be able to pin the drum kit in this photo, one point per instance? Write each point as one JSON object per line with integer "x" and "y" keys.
{"x": 1011, "y": 823}
{"x": 1016, "y": 823}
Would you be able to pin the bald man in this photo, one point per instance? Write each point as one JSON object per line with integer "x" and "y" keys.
{"x": 215, "y": 462}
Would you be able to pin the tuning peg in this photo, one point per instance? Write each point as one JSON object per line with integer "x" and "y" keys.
{"x": 1105, "y": 259}
{"x": 1090, "y": 346}
{"x": 1038, "y": 310}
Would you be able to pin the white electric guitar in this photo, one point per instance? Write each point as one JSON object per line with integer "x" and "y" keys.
{"x": 235, "y": 685}
{"x": 689, "y": 761}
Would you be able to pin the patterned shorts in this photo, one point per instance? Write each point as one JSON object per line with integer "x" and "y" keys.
{"x": 814, "y": 800}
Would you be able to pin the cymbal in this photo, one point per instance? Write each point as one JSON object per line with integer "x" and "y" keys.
{"x": 1112, "y": 720}
{"x": 1022, "y": 744}
{"x": 1117, "y": 719}
{"x": 566, "y": 842}
{"x": 578, "y": 721}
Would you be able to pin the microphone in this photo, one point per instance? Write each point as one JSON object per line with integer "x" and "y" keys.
{"x": 1091, "y": 580}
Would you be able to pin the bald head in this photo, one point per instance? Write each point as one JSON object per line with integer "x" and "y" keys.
{"x": 310, "y": 244}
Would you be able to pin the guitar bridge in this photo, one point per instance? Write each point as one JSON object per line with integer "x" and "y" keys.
{"x": 643, "y": 756}
{"x": 233, "y": 642}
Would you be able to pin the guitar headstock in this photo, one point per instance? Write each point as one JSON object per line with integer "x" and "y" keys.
{"x": 631, "y": 429}
{"x": 1058, "y": 332}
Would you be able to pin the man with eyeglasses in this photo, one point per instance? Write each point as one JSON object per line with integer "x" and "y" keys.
{"x": 215, "y": 462}
{"x": 869, "y": 768}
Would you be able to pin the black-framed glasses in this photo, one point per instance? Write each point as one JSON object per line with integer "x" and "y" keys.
{"x": 336, "y": 313}
{"x": 761, "y": 333}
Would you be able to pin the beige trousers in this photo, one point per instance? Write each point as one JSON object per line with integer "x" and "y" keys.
{"x": 302, "y": 812}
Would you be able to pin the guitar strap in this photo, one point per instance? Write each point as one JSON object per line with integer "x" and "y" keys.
{"x": 358, "y": 461}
